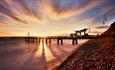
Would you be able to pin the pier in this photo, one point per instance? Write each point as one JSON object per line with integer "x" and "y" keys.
{"x": 60, "y": 39}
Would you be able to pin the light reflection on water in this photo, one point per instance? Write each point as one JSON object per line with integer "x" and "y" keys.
{"x": 43, "y": 56}
{"x": 43, "y": 48}
{"x": 38, "y": 50}
{"x": 48, "y": 54}
{"x": 46, "y": 49}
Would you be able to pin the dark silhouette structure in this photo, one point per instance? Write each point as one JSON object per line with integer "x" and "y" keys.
{"x": 73, "y": 36}
{"x": 79, "y": 32}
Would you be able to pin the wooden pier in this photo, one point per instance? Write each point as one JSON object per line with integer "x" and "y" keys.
{"x": 60, "y": 39}
{"x": 73, "y": 36}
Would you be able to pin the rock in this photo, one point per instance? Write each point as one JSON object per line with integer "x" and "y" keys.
{"x": 94, "y": 55}
{"x": 110, "y": 32}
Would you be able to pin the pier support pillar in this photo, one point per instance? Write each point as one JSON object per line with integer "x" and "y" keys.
{"x": 46, "y": 40}
{"x": 26, "y": 39}
{"x": 33, "y": 40}
{"x": 58, "y": 41}
{"x": 49, "y": 41}
{"x": 29, "y": 39}
{"x": 74, "y": 41}
{"x": 61, "y": 41}
{"x": 39, "y": 40}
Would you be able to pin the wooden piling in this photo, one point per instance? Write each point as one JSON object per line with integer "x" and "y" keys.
{"x": 76, "y": 41}
{"x": 46, "y": 40}
{"x": 39, "y": 40}
{"x": 72, "y": 41}
{"x": 58, "y": 41}
{"x": 49, "y": 40}
{"x": 61, "y": 41}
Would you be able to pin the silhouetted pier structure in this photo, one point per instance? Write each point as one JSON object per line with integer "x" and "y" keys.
{"x": 59, "y": 39}
{"x": 79, "y": 32}
{"x": 73, "y": 36}
{"x": 32, "y": 39}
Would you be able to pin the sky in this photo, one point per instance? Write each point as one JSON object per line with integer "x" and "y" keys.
{"x": 54, "y": 17}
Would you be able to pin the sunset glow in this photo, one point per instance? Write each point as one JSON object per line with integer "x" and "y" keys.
{"x": 52, "y": 17}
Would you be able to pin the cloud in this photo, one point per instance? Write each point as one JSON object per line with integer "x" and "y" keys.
{"x": 78, "y": 10}
{"x": 108, "y": 9}
{"x": 48, "y": 9}
{"x": 52, "y": 9}
{"x": 6, "y": 10}
{"x": 50, "y": 16}
{"x": 4, "y": 33}
{"x": 99, "y": 29}
{"x": 27, "y": 9}
{"x": 102, "y": 27}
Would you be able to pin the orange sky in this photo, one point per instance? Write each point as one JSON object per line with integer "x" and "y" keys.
{"x": 45, "y": 17}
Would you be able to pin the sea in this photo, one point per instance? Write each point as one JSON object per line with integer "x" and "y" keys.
{"x": 18, "y": 54}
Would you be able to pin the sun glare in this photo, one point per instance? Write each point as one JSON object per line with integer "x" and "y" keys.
{"x": 43, "y": 48}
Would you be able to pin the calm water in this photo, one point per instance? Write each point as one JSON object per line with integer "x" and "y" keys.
{"x": 19, "y": 55}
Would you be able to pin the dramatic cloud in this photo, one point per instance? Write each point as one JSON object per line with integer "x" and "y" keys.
{"x": 26, "y": 9}
{"x": 47, "y": 17}
{"x": 6, "y": 10}
{"x": 78, "y": 10}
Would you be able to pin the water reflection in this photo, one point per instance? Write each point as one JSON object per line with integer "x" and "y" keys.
{"x": 43, "y": 57}
{"x": 38, "y": 49}
{"x": 43, "y": 48}
{"x": 50, "y": 52}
